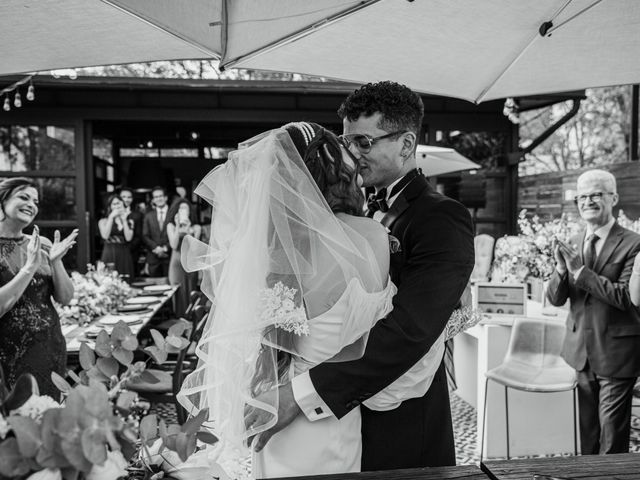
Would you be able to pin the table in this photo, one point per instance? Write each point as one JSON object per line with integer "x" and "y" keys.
{"x": 539, "y": 423}
{"x": 74, "y": 334}
{"x": 466, "y": 472}
{"x": 622, "y": 466}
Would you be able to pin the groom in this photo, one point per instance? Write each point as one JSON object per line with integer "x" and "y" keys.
{"x": 431, "y": 261}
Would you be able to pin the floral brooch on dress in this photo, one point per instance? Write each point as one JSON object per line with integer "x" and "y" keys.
{"x": 277, "y": 307}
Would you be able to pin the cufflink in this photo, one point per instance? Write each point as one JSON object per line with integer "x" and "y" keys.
{"x": 318, "y": 411}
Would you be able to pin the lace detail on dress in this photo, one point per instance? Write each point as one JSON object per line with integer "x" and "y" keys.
{"x": 30, "y": 336}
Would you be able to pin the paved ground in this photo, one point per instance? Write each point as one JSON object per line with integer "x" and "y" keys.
{"x": 464, "y": 425}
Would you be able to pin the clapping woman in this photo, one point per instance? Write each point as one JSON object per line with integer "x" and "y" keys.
{"x": 181, "y": 223}
{"x": 117, "y": 231}
{"x": 31, "y": 274}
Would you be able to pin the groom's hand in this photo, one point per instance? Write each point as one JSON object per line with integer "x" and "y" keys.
{"x": 288, "y": 410}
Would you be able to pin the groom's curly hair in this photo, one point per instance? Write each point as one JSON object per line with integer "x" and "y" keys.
{"x": 401, "y": 108}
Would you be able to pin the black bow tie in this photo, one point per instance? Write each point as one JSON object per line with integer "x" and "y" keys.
{"x": 377, "y": 201}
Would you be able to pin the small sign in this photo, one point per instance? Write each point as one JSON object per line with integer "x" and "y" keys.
{"x": 500, "y": 298}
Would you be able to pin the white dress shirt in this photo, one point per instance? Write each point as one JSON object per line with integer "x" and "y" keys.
{"x": 602, "y": 233}
{"x": 311, "y": 404}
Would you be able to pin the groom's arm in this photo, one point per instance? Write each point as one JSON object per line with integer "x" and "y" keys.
{"x": 440, "y": 261}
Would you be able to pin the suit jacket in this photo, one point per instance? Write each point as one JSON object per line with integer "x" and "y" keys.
{"x": 603, "y": 326}
{"x": 153, "y": 235}
{"x": 431, "y": 268}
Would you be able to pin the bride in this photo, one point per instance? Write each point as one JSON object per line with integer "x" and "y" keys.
{"x": 297, "y": 276}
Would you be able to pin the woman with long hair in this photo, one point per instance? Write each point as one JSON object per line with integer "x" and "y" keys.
{"x": 31, "y": 275}
{"x": 181, "y": 222}
{"x": 116, "y": 229}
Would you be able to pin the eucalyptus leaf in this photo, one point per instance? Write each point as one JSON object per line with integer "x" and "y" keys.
{"x": 149, "y": 429}
{"x": 125, "y": 400}
{"x": 125, "y": 357}
{"x": 27, "y": 434}
{"x": 94, "y": 445}
{"x": 72, "y": 449}
{"x": 119, "y": 333}
{"x": 108, "y": 366}
{"x": 60, "y": 383}
{"x": 103, "y": 344}
{"x": 158, "y": 356}
{"x": 193, "y": 424}
{"x": 207, "y": 437}
{"x": 157, "y": 338}
{"x": 178, "y": 328}
{"x": 130, "y": 343}
{"x": 12, "y": 463}
{"x": 87, "y": 356}
{"x": 185, "y": 445}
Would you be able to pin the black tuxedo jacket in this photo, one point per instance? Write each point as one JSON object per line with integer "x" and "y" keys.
{"x": 153, "y": 235}
{"x": 431, "y": 268}
{"x": 134, "y": 245}
{"x": 603, "y": 326}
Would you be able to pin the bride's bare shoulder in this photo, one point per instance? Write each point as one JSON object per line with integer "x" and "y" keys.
{"x": 373, "y": 231}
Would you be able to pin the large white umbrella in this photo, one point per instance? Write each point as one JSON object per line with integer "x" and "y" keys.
{"x": 436, "y": 161}
{"x": 471, "y": 49}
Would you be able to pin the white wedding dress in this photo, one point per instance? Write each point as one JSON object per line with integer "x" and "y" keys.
{"x": 328, "y": 445}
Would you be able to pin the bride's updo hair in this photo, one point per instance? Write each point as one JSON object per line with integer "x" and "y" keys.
{"x": 322, "y": 154}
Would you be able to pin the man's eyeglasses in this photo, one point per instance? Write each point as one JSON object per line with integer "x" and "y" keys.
{"x": 592, "y": 197}
{"x": 364, "y": 142}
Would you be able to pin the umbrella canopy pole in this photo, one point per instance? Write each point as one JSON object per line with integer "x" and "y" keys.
{"x": 230, "y": 63}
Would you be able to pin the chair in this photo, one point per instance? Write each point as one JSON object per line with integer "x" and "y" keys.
{"x": 484, "y": 256}
{"x": 533, "y": 364}
{"x": 170, "y": 381}
{"x": 196, "y": 298}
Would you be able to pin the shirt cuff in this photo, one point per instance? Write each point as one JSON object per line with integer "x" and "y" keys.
{"x": 308, "y": 399}
{"x": 578, "y": 272}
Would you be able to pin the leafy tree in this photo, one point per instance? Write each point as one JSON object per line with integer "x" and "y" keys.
{"x": 597, "y": 135}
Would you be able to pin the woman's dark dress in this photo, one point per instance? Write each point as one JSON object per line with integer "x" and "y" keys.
{"x": 117, "y": 251}
{"x": 31, "y": 340}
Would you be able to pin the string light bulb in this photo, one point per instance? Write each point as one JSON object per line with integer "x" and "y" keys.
{"x": 7, "y": 104}
{"x": 17, "y": 100}
{"x": 31, "y": 92}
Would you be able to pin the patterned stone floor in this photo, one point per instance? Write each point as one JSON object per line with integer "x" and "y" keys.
{"x": 464, "y": 426}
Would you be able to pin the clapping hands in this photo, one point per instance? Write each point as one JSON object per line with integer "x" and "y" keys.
{"x": 33, "y": 252}
{"x": 567, "y": 256}
{"x": 60, "y": 247}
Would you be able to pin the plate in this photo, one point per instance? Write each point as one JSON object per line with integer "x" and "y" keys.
{"x": 132, "y": 308}
{"x": 113, "y": 319}
{"x": 157, "y": 288}
{"x": 141, "y": 300}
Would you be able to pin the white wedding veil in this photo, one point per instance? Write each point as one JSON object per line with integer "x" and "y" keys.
{"x": 278, "y": 258}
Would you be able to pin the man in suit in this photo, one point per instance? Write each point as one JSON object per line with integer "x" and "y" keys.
{"x": 135, "y": 217}
{"x": 154, "y": 234}
{"x": 432, "y": 256}
{"x": 603, "y": 328}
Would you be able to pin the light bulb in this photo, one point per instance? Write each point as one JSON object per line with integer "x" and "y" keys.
{"x": 7, "y": 104}
{"x": 31, "y": 94}
{"x": 17, "y": 100}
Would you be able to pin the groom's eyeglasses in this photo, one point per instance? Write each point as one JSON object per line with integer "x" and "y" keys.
{"x": 364, "y": 142}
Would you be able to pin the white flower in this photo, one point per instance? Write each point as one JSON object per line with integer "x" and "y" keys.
{"x": 35, "y": 407}
{"x": 288, "y": 305}
{"x": 46, "y": 474}
{"x": 114, "y": 466}
{"x": 4, "y": 427}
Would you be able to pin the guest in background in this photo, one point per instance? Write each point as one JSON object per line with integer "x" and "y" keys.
{"x": 117, "y": 231}
{"x": 134, "y": 216}
{"x": 181, "y": 222}
{"x": 634, "y": 283}
{"x": 31, "y": 273}
{"x": 154, "y": 234}
{"x": 602, "y": 336}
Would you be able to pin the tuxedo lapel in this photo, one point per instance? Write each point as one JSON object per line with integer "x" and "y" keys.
{"x": 610, "y": 244}
{"x": 404, "y": 199}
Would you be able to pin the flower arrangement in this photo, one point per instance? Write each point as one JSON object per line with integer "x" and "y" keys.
{"x": 98, "y": 292}
{"x": 277, "y": 307}
{"x": 626, "y": 222}
{"x": 99, "y": 424}
{"x": 530, "y": 254}
{"x": 460, "y": 320}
